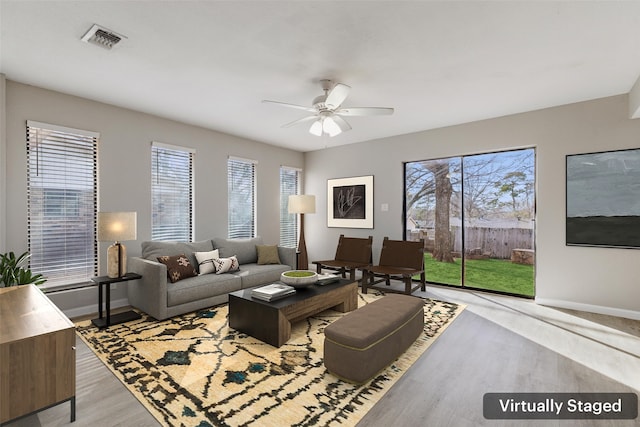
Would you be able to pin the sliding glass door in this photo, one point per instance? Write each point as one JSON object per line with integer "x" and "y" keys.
{"x": 499, "y": 221}
{"x": 432, "y": 193}
{"x": 476, "y": 214}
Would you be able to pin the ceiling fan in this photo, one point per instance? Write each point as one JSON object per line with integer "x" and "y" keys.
{"x": 327, "y": 111}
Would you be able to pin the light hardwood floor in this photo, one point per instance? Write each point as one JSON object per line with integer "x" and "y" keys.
{"x": 498, "y": 344}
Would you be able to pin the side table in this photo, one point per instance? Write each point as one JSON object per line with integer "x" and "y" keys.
{"x": 38, "y": 354}
{"x": 108, "y": 320}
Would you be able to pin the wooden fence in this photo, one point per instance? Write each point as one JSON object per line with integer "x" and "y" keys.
{"x": 492, "y": 242}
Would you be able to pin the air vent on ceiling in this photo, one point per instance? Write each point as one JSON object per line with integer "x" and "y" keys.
{"x": 102, "y": 37}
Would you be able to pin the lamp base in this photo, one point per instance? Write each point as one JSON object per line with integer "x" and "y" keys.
{"x": 303, "y": 259}
{"x": 116, "y": 260}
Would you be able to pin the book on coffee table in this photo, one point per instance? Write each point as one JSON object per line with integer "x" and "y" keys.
{"x": 273, "y": 291}
{"x": 326, "y": 278}
{"x": 274, "y": 297}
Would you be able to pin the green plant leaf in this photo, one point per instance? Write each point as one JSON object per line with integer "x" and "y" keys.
{"x": 13, "y": 270}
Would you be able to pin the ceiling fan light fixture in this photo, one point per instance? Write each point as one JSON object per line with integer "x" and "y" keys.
{"x": 316, "y": 128}
{"x": 331, "y": 127}
{"x": 326, "y": 111}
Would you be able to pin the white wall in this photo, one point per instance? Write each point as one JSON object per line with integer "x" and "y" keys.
{"x": 3, "y": 169}
{"x": 124, "y": 169}
{"x": 603, "y": 280}
{"x": 593, "y": 279}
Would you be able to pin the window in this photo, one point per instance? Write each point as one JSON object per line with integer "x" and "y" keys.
{"x": 62, "y": 190}
{"x": 171, "y": 192}
{"x": 289, "y": 185}
{"x": 475, "y": 213}
{"x": 242, "y": 197}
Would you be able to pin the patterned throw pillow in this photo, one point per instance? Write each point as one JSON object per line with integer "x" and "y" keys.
{"x": 224, "y": 265}
{"x": 267, "y": 254}
{"x": 205, "y": 261}
{"x": 178, "y": 267}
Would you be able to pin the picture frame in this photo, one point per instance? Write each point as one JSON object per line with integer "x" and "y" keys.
{"x": 603, "y": 199}
{"x": 350, "y": 202}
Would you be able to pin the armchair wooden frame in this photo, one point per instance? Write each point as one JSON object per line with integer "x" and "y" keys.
{"x": 399, "y": 260}
{"x": 352, "y": 253}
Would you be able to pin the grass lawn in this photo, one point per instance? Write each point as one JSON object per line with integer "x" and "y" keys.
{"x": 493, "y": 274}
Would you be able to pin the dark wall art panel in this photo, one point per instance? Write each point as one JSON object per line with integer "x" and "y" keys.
{"x": 603, "y": 199}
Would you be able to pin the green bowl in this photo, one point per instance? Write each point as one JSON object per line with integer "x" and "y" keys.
{"x": 299, "y": 278}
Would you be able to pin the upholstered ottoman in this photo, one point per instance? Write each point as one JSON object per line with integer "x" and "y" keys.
{"x": 363, "y": 342}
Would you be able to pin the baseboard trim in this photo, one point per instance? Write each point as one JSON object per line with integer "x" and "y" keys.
{"x": 599, "y": 309}
{"x": 93, "y": 308}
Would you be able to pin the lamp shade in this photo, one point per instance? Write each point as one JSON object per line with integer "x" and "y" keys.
{"x": 302, "y": 204}
{"x": 116, "y": 226}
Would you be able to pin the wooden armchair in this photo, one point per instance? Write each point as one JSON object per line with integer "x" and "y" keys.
{"x": 399, "y": 260}
{"x": 352, "y": 253}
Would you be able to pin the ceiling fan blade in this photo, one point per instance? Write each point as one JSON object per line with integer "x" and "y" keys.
{"x": 365, "y": 111}
{"x": 337, "y": 95}
{"x": 286, "y": 104}
{"x": 300, "y": 121}
{"x": 342, "y": 123}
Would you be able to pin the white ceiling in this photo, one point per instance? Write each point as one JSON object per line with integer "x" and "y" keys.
{"x": 210, "y": 63}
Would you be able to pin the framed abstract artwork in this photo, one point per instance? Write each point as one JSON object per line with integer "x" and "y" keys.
{"x": 350, "y": 202}
{"x": 603, "y": 199}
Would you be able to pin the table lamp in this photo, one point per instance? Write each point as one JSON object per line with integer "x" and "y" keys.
{"x": 116, "y": 227}
{"x": 302, "y": 204}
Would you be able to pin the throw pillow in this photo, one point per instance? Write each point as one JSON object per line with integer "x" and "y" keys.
{"x": 153, "y": 249}
{"x": 267, "y": 254}
{"x": 224, "y": 265}
{"x": 243, "y": 249}
{"x": 205, "y": 261}
{"x": 178, "y": 267}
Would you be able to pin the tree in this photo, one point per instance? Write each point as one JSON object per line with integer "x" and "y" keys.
{"x": 513, "y": 185}
{"x": 443, "y": 245}
{"x": 478, "y": 185}
{"x": 419, "y": 183}
{"x": 428, "y": 182}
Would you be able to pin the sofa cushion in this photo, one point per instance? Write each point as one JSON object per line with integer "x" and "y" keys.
{"x": 151, "y": 250}
{"x": 205, "y": 261}
{"x": 224, "y": 265}
{"x": 254, "y": 274}
{"x": 178, "y": 267}
{"x": 268, "y": 254}
{"x": 201, "y": 287}
{"x": 243, "y": 249}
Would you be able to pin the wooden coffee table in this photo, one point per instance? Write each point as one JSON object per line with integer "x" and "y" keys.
{"x": 271, "y": 321}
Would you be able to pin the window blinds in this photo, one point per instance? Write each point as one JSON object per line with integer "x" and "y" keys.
{"x": 289, "y": 185}
{"x": 241, "y": 176}
{"x": 171, "y": 192}
{"x": 62, "y": 189}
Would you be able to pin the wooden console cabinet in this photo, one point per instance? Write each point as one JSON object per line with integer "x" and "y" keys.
{"x": 37, "y": 354}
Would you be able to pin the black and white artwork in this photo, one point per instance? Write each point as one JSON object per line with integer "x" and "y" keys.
{"x": 603, "y": 199}
{"x": 350, "y": 202}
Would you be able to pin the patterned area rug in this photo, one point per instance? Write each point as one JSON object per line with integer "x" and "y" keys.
{"x": 193, "y": 370}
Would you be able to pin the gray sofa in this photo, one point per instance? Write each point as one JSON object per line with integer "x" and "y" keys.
{"x": 157, "y": 296}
